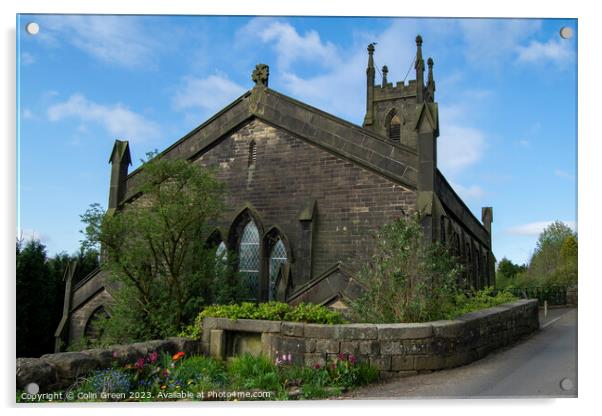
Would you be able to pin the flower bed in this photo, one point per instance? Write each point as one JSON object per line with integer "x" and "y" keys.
{"x": 161, "y": 376}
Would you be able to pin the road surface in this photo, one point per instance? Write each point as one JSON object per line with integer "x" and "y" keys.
{"x": 541, "y": 365}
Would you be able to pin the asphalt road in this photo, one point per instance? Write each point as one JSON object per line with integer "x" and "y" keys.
{"x": 534, "y": 367}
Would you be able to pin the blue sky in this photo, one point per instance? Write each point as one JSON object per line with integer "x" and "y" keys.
{"x": 506, "y": 91}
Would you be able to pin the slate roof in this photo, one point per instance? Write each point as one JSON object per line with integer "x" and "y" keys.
{"x": 347, "y": 140}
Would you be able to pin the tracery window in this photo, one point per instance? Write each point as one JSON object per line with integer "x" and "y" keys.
{"x": 278, "y": 257}
{"x": 248, "y": 259}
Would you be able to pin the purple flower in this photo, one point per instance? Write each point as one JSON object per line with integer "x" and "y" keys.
{"x": 352, "y": 359}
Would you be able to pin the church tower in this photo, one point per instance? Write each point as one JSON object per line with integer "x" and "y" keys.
{"x": 391, "y": 110}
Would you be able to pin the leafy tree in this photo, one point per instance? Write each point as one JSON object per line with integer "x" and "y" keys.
{"x": 40, "y": 293}
{"x": 555, "y": 258}
{"x": 155, "y": 249}
{"x": 35, "y": 296}
{"x": 406, "y": 280}
{"x": 507, "y": 271}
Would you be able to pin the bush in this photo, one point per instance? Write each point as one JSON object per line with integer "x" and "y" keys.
{"x": 271, "y": 311}
{"x": 482, "y": 299}
{"x": 154, "y": 249}
{"x": 406, "y": 279}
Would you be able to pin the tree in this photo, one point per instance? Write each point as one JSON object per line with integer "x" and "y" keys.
{"x": 155, "y": 249}
{"x": 555, "y": 258}
{"x": 507, "y": 271}
{"x": 40, "y": 293}
{"x": 406, "y": 280}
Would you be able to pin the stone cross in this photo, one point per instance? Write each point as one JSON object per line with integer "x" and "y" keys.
{"x": 261, "y": 74}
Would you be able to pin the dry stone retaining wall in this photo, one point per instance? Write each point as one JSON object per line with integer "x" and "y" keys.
{"x": 55, "y": 371}
{"x": 394, "y": 349}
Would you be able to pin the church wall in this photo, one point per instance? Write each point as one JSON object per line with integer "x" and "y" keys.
{"x": 288, "y": 176}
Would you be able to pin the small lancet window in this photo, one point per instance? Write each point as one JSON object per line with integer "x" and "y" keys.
{"x": 248, "y": 258}
{"x": 278, "y": 257}
{"x": 252, "y": 154}
{"x": 395, "y": 128}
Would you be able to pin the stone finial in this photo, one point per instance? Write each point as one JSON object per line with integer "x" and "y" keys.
{"x": 430, "y": 86}
{"x": 419, "y": 70}
{"x": 260, "y": 75}
{"x": 371, "y": 48}
{"x": 385, "y": 72}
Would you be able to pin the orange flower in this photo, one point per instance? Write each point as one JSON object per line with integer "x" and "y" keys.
{"x": 178, "y": 355}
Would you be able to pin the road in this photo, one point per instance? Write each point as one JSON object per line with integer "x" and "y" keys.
{"x": 534, "y": 367}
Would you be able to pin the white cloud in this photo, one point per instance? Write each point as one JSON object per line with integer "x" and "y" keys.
{"x": 472, "y": 192}
{"x": 459, "y": 147}
{"x": 27, "y": 114}
{"x": 534, "y": 228}
{"x": 557, "y": 51}
{"x": 119, "y": 40}
{"x": 490, "y": 42}
{"x": 563, "y": 174}
{"x": 27, "y": 234}
{"x": 27, "y": 59}
{"x": 291, "y": 46}
{"x": 119, "y": 121}
{"x": 210, "y": 94}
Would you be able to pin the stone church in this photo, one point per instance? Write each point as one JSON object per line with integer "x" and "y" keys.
{"x": 306, "y": 189}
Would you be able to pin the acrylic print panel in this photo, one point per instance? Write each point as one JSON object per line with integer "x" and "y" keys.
{"x": 161, "y": 137}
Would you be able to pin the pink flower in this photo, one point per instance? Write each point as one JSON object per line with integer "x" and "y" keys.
{"x": 317, "y": 366}
{"x": 290, "y": 357}
{"x": 139, "y": 363}
{"x": 153, "y": 356}
{"x": 342, "y": 356}
{"x": 115, "y": 355}
{"x": 352, "y": 359}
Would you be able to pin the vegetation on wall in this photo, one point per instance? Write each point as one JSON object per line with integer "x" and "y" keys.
{"x": 40, "y": 293}
{"x": 409, "y": 280}
{"x": 405, "y": 280}
{"x": 554, "y": 261}
{"x": 271, "y": 311}
{"x": 155, "y": 249}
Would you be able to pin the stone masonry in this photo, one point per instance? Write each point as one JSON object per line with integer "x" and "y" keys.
{"x": 394, "y": 349}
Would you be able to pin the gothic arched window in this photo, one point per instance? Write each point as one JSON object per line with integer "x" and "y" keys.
{"x": 93, "y": 329}
{"x": 248, "y": 258}
{"x": 393, "y": 124}
{"x": 278, "y": 257}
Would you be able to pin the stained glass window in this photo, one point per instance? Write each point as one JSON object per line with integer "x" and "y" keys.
{"x": 248, "y": 260}
{"x": 277, "y": 258}
{"x": 221, "y": 255}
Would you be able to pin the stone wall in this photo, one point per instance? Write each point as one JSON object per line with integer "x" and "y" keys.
{"x": 288, "y": 177}
{"x": 394, "y": 349}
{"x": 55, "y": 371}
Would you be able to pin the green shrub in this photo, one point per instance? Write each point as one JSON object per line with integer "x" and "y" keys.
{"x": 482, "y": 299}
{"x": 309, "y": 312}
{"x": 271, "y": 311}
{"x": 405, "y": 280}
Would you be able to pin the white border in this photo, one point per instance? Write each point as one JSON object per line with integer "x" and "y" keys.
{"x": 588, "y": 169}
